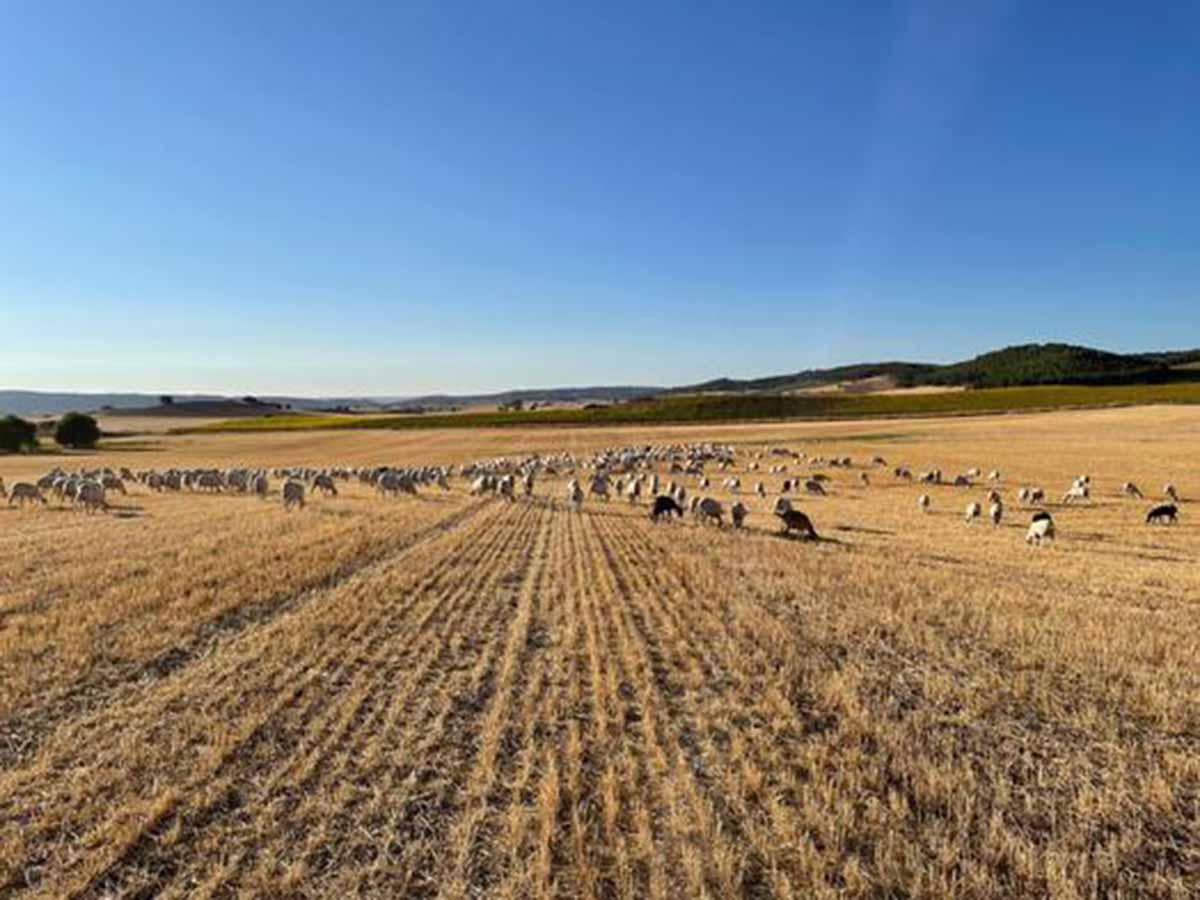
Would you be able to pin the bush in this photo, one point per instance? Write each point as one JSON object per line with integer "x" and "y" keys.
{"x": 76, "y": 430}
{"x": 16, "y": 434}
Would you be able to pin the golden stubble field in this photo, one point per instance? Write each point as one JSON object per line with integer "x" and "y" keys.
{"x": 459, "y": 697}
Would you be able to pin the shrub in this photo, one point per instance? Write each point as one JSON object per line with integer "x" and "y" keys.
{"x": 16, "y": 434}
{"x": 76, "y": 430}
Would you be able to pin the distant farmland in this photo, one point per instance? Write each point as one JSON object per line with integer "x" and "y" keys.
{"x": 742, "y": 407}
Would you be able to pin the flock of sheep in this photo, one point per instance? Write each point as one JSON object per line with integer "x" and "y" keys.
{"x": 630, "y": 473}
{"x": 88, "y": 489}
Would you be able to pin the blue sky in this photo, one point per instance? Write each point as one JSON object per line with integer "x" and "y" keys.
{"x": 396, "y": 198}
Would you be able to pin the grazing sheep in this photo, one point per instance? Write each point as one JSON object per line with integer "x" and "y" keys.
{"x": 1164, "y": 514}
{"x": 878, "y": 461}
{"x": 209, "y": 481}
{"x": 395, "y": 484}
{"x": 903, "y": 472}
{"x": 962, "y": 481}
{"x": 993, "y": 496}
{"x": 737, "y": 513}
{"x": 996, "y": 513}
{"x": 733, "y": 484}
{"x": 814, "y": 486}
{"x": 325, "y": 485}
{"x": 113, "y": 483}
{"x": 786, "y": 488}
{"x": 1170, "y": 493}
{"x": 794, "y": 520}
{"x": 863, "y": 477}
{"x": 760, "y": 489}
{"x": 1078, "y": 492}
{"x": 504, "y": 487}
{"x": 260, "y": 485}
{"x": 599, "y": 487}
{"x": 574, "y": 495}
{"x": 293, "y": 494}
{"x": 709, "y": 509}
{"x": 665, "y": 506}
{"x": 923, "y": 503}
{"x": 91, "y": 497}
{"x": 1041, "y": 528}
{"x": 1129, "y": 489}
{"x": 23, "y": 492}
{"x": 974, "y": 511}
{"x": 994, "y": 475}
{"x": 633, "y": 492}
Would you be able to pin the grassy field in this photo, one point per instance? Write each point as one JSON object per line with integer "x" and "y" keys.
{"x": 448, "y": 696}
{"x": 744, "y": 407}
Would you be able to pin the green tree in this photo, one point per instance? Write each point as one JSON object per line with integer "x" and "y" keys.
{"x": 16, "y": 434}
{"x": 76, "y": 430}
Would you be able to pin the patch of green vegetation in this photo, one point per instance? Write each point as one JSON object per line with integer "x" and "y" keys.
{"x": 751, "y": 407}
{"x": 1035, "y": 364}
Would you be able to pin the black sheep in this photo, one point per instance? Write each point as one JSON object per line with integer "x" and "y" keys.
{"x": 665, "y": 506}
{"x": 794, "y": 520}
{"x": 1167, "y": 513}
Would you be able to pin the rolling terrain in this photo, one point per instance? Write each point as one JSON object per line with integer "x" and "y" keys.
{"x": 1018, "y": 366}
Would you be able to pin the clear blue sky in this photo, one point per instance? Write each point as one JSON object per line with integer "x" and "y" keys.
{"x": 393, "y": 198}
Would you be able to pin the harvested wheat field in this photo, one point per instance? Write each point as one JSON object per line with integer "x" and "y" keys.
{"x": 448, "y": 695}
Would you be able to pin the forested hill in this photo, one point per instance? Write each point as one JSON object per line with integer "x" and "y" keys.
{"x": 1027, "y": 364}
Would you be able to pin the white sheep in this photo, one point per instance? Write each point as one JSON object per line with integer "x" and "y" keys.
{"x": 90, "y": 497}
{"x": 574, "y": 495}
{"x": 1079, "y": 491}
{"x": 1040, "y": 529}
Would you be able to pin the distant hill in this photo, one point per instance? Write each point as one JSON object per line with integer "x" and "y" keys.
{"x": 901, "y": 372}
{"x": 53, "y": 403}
{"x": 1023, "y": 365}
{"x": 1034, "y": 364}
{"x": 31, "y": 403}
{"x": 208, "y": 409}
{"x": 610, "y": 394}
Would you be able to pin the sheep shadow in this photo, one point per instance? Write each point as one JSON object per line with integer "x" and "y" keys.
{"x": 860, "y": 529}
{"x": 792, "y": 538}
